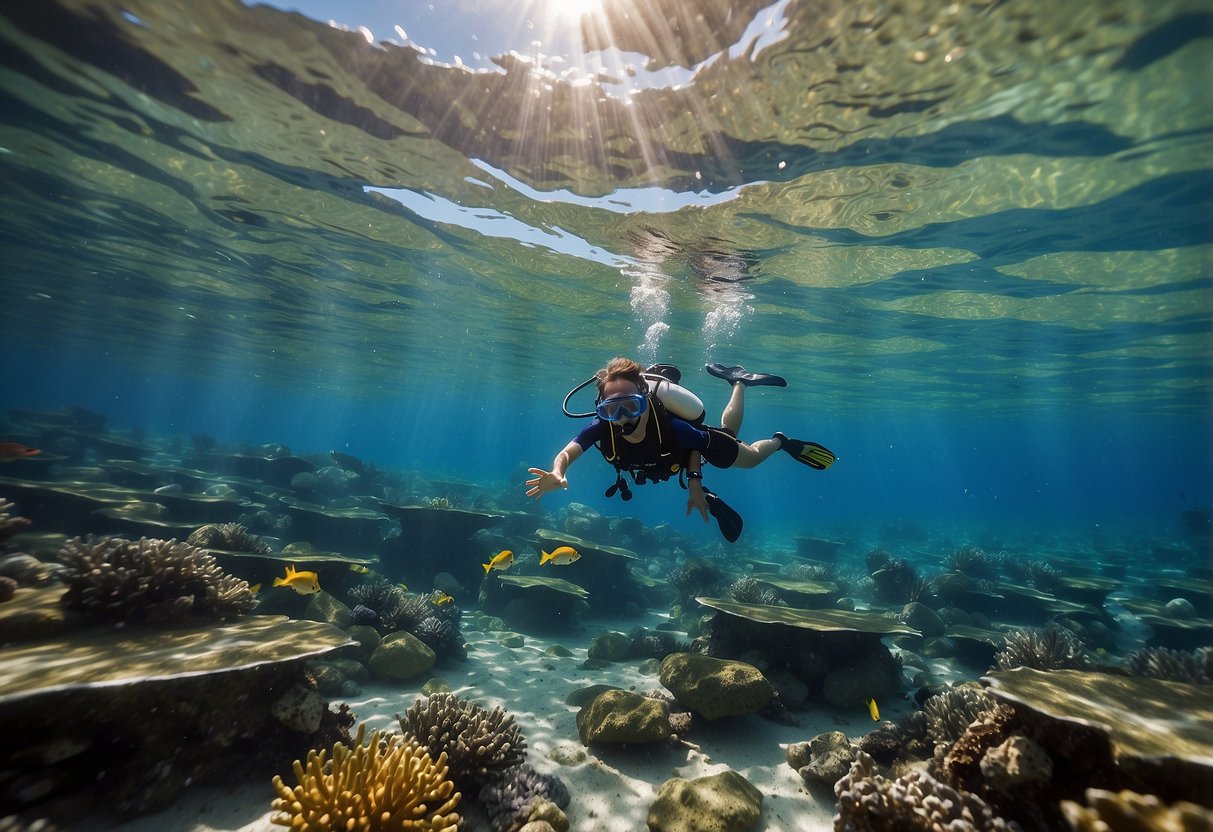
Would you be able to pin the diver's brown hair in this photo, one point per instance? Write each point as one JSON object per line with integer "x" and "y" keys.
{"x": 619, "y": 367}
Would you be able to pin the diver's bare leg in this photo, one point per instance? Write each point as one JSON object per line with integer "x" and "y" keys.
{"x": 734, "y": 411}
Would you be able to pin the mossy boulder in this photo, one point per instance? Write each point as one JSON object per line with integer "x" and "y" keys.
{"x": 724, "y": 802}
{"x": 401, "y": 656}
{"x": 614, "y": 647}
{"x": 322, "y": 606}
{"x": 621, "y": 716}
{"x": 715, "y": 687}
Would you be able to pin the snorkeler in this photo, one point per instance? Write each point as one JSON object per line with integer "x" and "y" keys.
{"x": 651, "y": 428}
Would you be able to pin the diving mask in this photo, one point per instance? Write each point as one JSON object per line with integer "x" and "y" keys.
{"x": 617, "y": 408}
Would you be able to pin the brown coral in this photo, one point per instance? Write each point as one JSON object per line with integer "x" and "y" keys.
{"x": 478, "y": 743}
{"x": 9, "y": 525}
{"x": 384, "y": 783}
{"x": 914, "y": 802}
{"x": 1128, "y": 811}
{"x": 231, "y": 537}
{"x": 148, "y": 580}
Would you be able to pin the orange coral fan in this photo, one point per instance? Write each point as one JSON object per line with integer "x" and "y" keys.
{"x": 386, "y": 783}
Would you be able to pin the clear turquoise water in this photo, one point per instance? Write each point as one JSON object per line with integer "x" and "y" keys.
{"x": 975, "y": 239}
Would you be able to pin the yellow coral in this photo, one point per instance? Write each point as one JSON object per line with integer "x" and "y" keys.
{"x": 387, "y": 783}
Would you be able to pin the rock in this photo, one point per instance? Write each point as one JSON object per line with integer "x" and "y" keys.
{"x": 845, "y": 603}
{"x": 1017, "y": 763}
{"x": 349, "y": 668}
{"x": 1179, "y": 608}
{"x": 792, "y": 691}
{"x": 299, "y": 709}
{"x": 511, "y": 640}
{"x": 620, "y": 716}
{"x": 367, "y": 638}
{"x": 613, "y": 647}
{"x": 799, "y": 754}
{"x": 715, "y": 687}
{"x": 939, "y": 648}
{"x": 328, "y": 679}
{"x": 401, "y": 656}
{"x": 448, "y": 583}
{"x": 884, "y": 744}
{"x": 25, "y": 569}
{"x": 923, "y": 619}
{"x": 435, "y": 685}
{"x": 558, "y": 651}
{"x": 594, "y": 664}
{"x": 538, "y": 826}
{"x": 304, "y": 481}
{"x": 724, "y": 802}
{"x": 582, "y": 696}
{"x": 649, "y": 667}
{"x": 831, "y": 756}
{"x": 852, "y": 686}
{"x": 327, "y": 609}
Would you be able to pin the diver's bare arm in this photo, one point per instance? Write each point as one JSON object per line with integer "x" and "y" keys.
{"x": 545, "y": 481}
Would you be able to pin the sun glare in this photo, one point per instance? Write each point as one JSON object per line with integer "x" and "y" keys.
{"x": 572, "y": 11}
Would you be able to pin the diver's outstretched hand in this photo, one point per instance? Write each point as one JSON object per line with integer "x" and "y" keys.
{"x": 544, "y": 482}
{"x": 697, "y": 500}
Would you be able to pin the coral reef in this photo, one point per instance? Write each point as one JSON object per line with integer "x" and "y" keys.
{"x": 749, "y": 591}
{"x": 653, "y": 644}
{"x": 441, "y": 636}
{"x": 1128, "y": 811}
{"x": 869, "y": 802}
{"x": 404, "y": 612}
{"x": 694, "y": 576}
{"x": 383, "y": 783}
{"x": 232, "y": 537}
{"x": 509, "y": 800}
{"x": 974, "y": 562}
{"x": 893, "y": 578}
{"x": 9, "y": 525}
{"x": 951, "y": 712}
{"x": 478, "y": 743}
{"x": 376, "y": 595}
{"x": 1195, "y": 667}
{"x": 1053, "y": 648}
{"x": 364, "y": 616}
{"x": 810, "y": 571}
{"x": 148, "y": 580}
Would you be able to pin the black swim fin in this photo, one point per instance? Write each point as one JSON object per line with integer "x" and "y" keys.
{"x": 738, "y": 375}
{"x": 730, "y": 521}
{"x": 808, "y": 453}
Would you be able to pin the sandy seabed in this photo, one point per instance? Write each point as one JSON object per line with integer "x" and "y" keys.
{"x": 612, "y": 788}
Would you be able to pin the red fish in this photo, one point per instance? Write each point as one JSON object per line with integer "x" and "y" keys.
{"x": 15, "y": 450}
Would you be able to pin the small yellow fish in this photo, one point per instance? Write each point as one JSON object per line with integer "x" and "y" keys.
{"x": 502, "y": 560}
{"x": 255, "y": 588}
{"x": 873, "y": 710}
{"x": 305, "y": 583}
{"x": 560, "y": 557}
{"x": 360, "y": 569}
{"x": 438, "y": 598}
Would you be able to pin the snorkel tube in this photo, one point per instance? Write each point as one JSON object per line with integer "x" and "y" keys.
{"x": 574, "y": 391}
